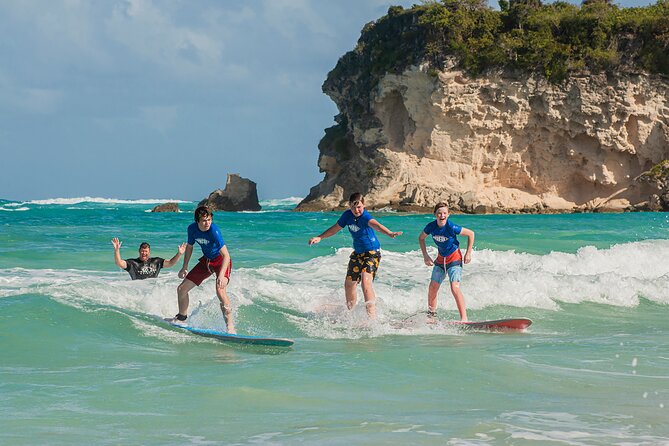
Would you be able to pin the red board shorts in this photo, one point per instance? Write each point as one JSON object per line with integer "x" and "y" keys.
{"x": 206, "y": 267}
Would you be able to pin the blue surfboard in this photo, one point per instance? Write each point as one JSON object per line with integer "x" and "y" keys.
{"x": 235, "y": 338}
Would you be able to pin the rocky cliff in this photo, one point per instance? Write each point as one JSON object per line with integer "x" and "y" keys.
{"x": 504, "y": 141}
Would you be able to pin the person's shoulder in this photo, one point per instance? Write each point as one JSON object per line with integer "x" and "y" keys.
{"x": 452, "y": 225}
{"x": 192, "y": 226}
{"x": 430, "y": 226}
{"x": 346, "y": 215}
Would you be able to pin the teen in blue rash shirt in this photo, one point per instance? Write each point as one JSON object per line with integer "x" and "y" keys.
{"x": 449, "y": 261}
{"x": 216, "y": 260}
{"x": 366, "y": 255}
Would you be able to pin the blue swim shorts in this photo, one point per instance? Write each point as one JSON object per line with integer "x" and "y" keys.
{"x": 454, "y": 274}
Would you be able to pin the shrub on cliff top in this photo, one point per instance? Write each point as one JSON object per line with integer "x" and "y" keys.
{"x": 552, "y": 39}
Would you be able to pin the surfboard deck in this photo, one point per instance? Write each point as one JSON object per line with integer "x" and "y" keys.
{"x": 518, "y": 324}
{"x": 510, "y": 324}
{"x": 234, "y": 338}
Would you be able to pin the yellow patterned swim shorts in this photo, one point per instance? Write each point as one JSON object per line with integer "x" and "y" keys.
{"x": 364, "y": 261}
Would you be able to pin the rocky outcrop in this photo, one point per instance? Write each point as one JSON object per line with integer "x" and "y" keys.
{"x": 658, "y": 178}
{"x": 166, "y": 207}
{"x": 502, "y": 142}
{"x": 240, "y": 194}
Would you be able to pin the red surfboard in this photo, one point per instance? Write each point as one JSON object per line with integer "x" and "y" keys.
{"x": 519, "y": 324}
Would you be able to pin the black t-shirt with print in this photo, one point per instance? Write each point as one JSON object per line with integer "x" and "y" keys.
{"x": 139, "y": 270}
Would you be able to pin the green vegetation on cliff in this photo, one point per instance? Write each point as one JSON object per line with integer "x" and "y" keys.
{"x": 553, "y": 39}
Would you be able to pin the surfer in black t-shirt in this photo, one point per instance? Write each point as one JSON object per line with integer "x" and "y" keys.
{"x": 144, "y": 266}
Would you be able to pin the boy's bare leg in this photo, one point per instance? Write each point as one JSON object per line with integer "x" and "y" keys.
{"x": 368, "y": 292}
{"x": 459, "y": 300}
{"x": 182, "y": 295}
{"x": 351, "y": 293}
{"x": 226, "y": 308}
{"x": 432, "y": 291}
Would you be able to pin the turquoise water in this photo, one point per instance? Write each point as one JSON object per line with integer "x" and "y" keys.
{"x": 84, "y": 363}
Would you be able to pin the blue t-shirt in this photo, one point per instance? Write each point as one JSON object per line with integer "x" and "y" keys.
{"x": 445, "y": 237}
{"x": 364, "y": 237}
{"x": 210, "y": 241}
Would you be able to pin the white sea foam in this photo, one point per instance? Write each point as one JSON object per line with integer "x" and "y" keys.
{"x": 77, "y": 200}
{"x": 274, "y": 202}
{"x": 310, "y": 294}
{"x": 569, "y": 429}
{"x": 17, "y": 209}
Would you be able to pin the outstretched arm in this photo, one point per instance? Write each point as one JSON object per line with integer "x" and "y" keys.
{"x": 470, "y": 243}
{"x": 329, "y": 232}
{"x": 173, "y": 260}
{"x": 117, "y": 253}
{"x": 184, "y": 270}
{"x": 379, "y": 227}
{"x": 426, "y": 257}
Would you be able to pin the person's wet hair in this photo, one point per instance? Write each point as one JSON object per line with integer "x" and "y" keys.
{"x": 202, "y": 211}
{"x": 441, "y": 204}
{"x": 144, "y": 245}
{"x": 356, "y": 198}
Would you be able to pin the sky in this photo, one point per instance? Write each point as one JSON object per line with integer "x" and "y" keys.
{"x": 135, "y": 99}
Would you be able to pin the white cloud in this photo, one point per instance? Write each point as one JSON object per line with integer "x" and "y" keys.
{"x": 150, "y": 33}
{"x": 58, "y": 32}
{"x": 291, "y": 18}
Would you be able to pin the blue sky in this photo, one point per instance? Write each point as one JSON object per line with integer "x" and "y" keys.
{"x": 161, "y": 99}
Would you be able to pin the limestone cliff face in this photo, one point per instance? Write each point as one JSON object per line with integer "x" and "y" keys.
{"x": 504, "y": 142}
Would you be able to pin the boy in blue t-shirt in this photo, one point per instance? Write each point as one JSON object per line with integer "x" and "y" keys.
{"x": 216, "y": 260}
{"x": 366, "y": 255}
{"x": 449, "y": 261}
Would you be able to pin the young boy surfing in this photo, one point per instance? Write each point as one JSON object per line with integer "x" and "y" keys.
{"x": 449, "y": 261}
{"x": 366, "y": 256}
{"x": 215, "y": 260}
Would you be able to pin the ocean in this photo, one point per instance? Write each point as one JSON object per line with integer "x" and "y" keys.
{"x": 83, "y": 362}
